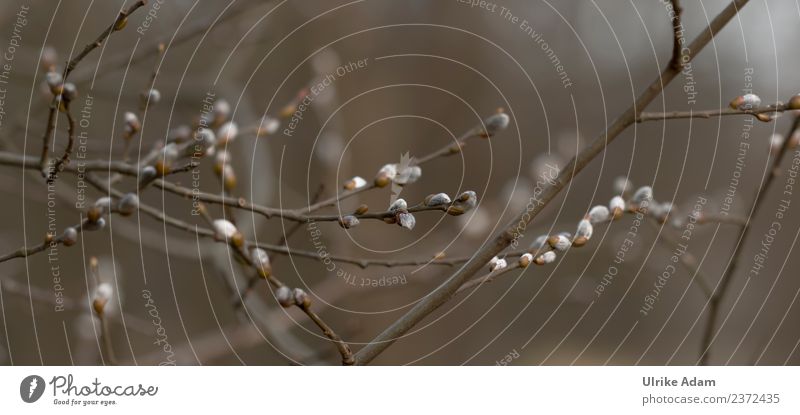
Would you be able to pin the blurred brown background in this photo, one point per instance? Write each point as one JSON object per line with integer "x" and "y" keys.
{"x": 434, "y": 68}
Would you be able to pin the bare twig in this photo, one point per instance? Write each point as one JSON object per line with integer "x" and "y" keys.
{"x": 710, "y": 333}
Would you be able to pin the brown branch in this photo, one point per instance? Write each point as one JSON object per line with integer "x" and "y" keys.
{"x": 446, "y": 290}
{"x": 64, "y": 160}
{"x": 341, "y": 346}
{"x": 672, "y": 115}
{"x": 677, "y": 36}
{"x": 709, "y": 335}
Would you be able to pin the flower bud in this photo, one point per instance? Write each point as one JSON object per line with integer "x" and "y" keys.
{"x": 261, "y": 262}
{"x": 464, "y": 203}
{"x": 221, "y": 111}
{"x": 348, "y": 221}
{"x": 598, "y": 214}
{"x": 362, "y": 209}
{"x": 224, "y": 229}
{"x": 102, "y": 295}
{"x": 622, "y": 186}
{"x": 355, "y": 183}
{"x": 284, "y": 296}
{"x": 146, "y": 176}
{"x": 406, "y": 220}
{"x": 643, "y": 194}
{"x": 54, "y": 82}
{"x": 408, "y": 175}
{"x": 69, "y": 237}
{"x": 494, "y": 124}
{"x": 268, "y": 126}
{"x": 546, "y": 258}
{"x": 385, "y": 175}
{"x": 128, "y": 204}
{"x": 399, "y": 204}
{"x": 227, "y": 133}
{"x": 746, "y": 102}
{"x": 204, "y": 140}
{"x": 560, "y": 242}
{"x": 585, "y": 229}
{"x": 661, "y": 211}
{"x": 132, "y": 124}
{"x": 150, "y": 97}
{"x": 69, "y": 92}
{"x": 438, "y": 199}
{"x": 525, "y": 260}
{"x": 94, "y": 225}
{"x": 228, "y": 177}
{"x": 49, "y": 58}
{"x": 497, "y": 264}
{"x": 301, "y": 298}
{"x": 616, "y": 206}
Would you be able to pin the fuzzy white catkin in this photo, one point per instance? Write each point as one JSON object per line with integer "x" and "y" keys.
{"x": 270, "y": 125}
{"x": 498, "y": 265}
{"x": 358, "y": 182}
{"x": 260, "y": 258}
{"x": 598, "y": 214}
{"x": 622, "y": 185}
{"x": 547, "y": 257}
{"x": 750, "y": 101}
{"x": 644, "y": 193}
{"x": 407, "y": 220}
{"x": 525, "y": 259}
{"x": 228, "y": 132}
{"x": 496, "y": 123}
{"x": 399, "y": 204}
{"x": 103, "y": 292}
{"x": 493, "y": 261}
{"x": 438, "y": 199}
{"x": 388, "y": 170}
{"x": 131, "y": 118}
{"x": 585, "y": 229}
{"x": 616, "y": 203}
{"x": 408, "y": 175}
{"x": 562, "y": 243}
{"x": 224, "y": 228}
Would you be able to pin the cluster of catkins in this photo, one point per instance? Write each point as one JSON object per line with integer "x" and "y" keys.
{"x": 403, "y": 175}
{"x": 545, "y": 248}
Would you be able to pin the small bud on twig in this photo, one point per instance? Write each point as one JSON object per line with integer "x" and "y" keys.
{"x": 464, "y": 203}
{"x": 348, "y": 221}
{"x": 301, "y": 298}
{"x": 406, "y": 220}
{"x": 284, "y": 296}
{"x": 598, "y": 214}
{"x": 545, "y": 258}
{"x": 102, "y": 295}
{"x": 261, "y": 262}
{"x": 438, "y": 199}
{"x": 616, "y": 206}
{"x": 525, "y": 260}
{"x": 746, "y": 102}
{"x": 355, "y": 183}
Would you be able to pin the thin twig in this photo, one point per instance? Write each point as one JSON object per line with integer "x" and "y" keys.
{"x": 709, "y": 335}
{"x": 722, "y": 112}
{"x": 677, "y": 36}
